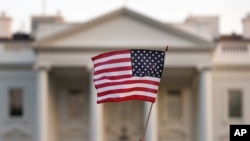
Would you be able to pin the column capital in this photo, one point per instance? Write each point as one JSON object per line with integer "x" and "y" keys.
{"x": 204, "y": 67}
{"x": 42, "y": 66}
{"x": 90, "y": 67}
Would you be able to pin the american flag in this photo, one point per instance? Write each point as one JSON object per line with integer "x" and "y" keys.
{"x": 128, "y": 75}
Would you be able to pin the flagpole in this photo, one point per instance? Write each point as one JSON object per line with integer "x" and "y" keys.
{"x": 145, "y": 129}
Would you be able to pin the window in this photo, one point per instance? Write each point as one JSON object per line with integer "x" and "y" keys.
{"x": 16, "y": 102}
{"x": 235, "y": 103}
{"x": 174, "y": 104}
{"x": 76, "y": 104}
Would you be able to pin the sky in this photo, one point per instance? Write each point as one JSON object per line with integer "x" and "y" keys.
{"x": 230, "y": 12}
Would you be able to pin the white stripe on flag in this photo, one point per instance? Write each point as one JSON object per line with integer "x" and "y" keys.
{"x": 116, "y": 73}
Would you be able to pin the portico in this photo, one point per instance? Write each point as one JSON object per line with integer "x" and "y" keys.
{"x": 105, "y": 122}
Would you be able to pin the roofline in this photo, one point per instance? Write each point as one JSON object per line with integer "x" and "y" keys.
{"x": 110, "y": 15}
{"x": 165, "y": 26}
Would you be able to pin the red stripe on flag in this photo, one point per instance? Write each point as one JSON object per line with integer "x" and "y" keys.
{"x": 110, "y": 54}
{"x": 114, "y": 77}
{"x": 127, "y": 82}
{"x": 113, "y": 61}
{"x": 133, "y": 97}
{"x": 112, "y": 70}
{"x": 126, "y": 90}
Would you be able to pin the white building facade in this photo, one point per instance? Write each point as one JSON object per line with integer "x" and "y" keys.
{"x": 47, "y": 94}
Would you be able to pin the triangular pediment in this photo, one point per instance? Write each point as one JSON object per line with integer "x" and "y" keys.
{"x": 122, "y": 28}
{"x": 16, "y": 131}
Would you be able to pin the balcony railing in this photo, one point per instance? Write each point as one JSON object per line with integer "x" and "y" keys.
{"x": 16, "y": 47}
{"x": 235, "y": 48}
{"x": 16, "y": 52}
{"x": 233, "y": 53}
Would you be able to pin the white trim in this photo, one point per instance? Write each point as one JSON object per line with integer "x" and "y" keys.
{"x": 12, "y": 128}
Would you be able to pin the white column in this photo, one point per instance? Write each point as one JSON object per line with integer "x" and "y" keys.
{"x": 96, "y": 115}
{"x": 43, "y": 111}
{"x": 205, "y": 106}
{"x": 152, "y": 132}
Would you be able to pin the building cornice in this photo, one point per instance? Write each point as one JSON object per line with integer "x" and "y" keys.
{"x": 7, "y": 66}
{"x": 231, "y": 67}
{"x": 102, "y": 48}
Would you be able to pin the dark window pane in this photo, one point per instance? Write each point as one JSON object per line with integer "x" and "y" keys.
{"x": 235, "y": 104}
{"x": 16, "y": 102}
{"x": 174, "y": 105}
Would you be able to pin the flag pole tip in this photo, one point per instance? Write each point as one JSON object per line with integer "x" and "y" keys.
{"x": 166, "y": 49}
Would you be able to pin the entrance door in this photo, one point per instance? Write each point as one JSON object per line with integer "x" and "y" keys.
{"x": 175, "y": 114}
{"x": 70, "y": 97}
{"x": 74, "y": 115}
{"x": 123, "y": 121}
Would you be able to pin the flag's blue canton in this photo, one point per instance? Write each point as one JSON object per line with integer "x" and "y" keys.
{"x": 147, "y": 63}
